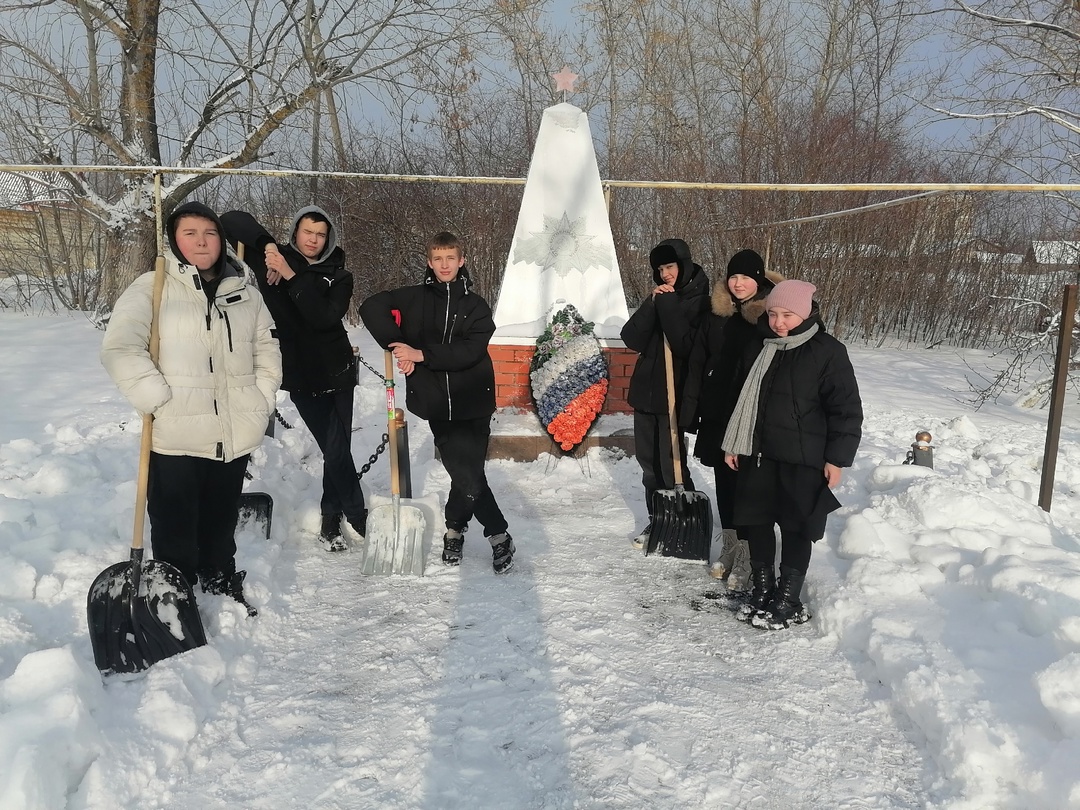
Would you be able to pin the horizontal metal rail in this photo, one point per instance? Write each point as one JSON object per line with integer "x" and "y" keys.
{"x": 518, "y": 181}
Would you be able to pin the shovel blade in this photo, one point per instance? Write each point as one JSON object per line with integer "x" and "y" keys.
{"x": 139, "y": 614}
{"x": 681, "y": 525}
{"x": 257, "y": 511}
{"x": 394, "y": 543}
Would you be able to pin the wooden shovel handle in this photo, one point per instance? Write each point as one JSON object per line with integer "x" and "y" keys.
{"x": 673, "y": 424}
{"x": 391, "y": 425}
{"x": 147, "y": 442}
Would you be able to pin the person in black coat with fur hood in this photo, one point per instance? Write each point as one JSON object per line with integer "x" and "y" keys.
{"x": 308, "y": 290}
{"x": 711, "y": 391}
{"x": 796, "y": 424}
{"x": 673, "y": 310}
{"x": 440, "y": 341}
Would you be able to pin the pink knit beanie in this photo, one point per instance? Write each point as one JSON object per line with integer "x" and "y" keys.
{"x": 793, "y": 295}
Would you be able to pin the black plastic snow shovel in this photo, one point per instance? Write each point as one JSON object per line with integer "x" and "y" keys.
{"x": 681, "y": 520}
{"x": 257, "y": 511}
{"x": 395, "y": 532}
{"x": 141, "y": 612}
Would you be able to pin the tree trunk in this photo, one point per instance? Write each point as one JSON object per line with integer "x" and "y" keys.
{"x": 129, "y": 253}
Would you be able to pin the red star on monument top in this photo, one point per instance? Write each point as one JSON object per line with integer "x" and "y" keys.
{"x": 564, "y": 80}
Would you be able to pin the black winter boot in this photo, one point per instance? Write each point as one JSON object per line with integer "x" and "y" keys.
{"x": 453, "y": 545}
{"x": 502, "y": 552}
{"x": 762, "y": 585}
{"x": 231, "y": 585}
{"x": 784, "y": 609}
{"x": 330, "y": 533}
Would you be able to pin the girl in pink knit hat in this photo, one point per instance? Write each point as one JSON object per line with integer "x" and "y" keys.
{"x": 796, "y": 424}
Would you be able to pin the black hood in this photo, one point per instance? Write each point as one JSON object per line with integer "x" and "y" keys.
{"x": 331, "y": 232}
{"x": 464, "y": 280}
{"x": 673, "y": 250}
{"x": 202, "y": 210}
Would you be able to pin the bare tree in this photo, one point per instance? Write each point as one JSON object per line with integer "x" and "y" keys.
{"x": 197, "y": 85}
{"x": 1025, "y": 85}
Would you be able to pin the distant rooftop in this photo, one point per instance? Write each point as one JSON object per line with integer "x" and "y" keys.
{"x": 32, "y": 188}
{"x": 1056, "y": 252}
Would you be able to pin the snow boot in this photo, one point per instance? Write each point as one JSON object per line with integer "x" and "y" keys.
{"x": 231, "y": 585}
{"x": 739, "y": 577}
{"x": 642, "y": 538}
{"x": 502, "y": 552}
{"x": 784, "y": 609}
{"x": 453, "y": 543}
{"x": 721, "y": 569}
{"x": 763, "y": 583}
{"x": 330, "y": 533}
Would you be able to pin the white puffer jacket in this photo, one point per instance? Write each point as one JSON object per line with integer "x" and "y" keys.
{"x": 215, "y": 385}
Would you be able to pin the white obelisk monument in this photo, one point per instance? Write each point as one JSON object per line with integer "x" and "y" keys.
{"x": 562, "y": 251}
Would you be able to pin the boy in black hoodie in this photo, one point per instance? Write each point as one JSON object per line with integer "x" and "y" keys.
{"x": 441, "y": 346}
{"x": 307, "y": 289}
{"x": 672, "y": 310}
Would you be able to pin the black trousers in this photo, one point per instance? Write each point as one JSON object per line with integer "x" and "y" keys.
{"x": 725, "y": 478}
{"x": 796, "y": 545}
{"x": 193, "y": 505}
{"x": 652, "y": 446}
{"x": 463, "y": 446}
{"x": 329, "y": 418}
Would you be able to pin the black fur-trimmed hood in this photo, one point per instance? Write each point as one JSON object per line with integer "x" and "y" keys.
{"x": 724, "y": 305}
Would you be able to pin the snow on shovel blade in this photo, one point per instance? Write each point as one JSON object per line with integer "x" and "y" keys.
{"x": 139, "y": 614}
{"x": 395, "y": 540}
{"x": 681, "y": 524}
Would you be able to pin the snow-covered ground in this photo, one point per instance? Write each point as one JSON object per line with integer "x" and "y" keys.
{"x": 941, "y": 668}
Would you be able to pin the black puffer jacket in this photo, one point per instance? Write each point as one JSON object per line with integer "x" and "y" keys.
{"x": 316, "y": 354}
{"x": 711, "y": 389}
{"x": 452, "y": 325}
{"x": 676, "y": 315}
{"x": 809, "y": 410}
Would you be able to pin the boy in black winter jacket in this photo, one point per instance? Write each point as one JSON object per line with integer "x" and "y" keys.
{"x": 673, "y": 309}
{"x": 441, "y": 346}
{"x": 307, "y": 290}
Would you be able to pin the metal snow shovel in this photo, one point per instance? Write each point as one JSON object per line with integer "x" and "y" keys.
{"x": 142, "y": 612}
{"x": 681, "y": 521}
{"x": 395, "y": 532}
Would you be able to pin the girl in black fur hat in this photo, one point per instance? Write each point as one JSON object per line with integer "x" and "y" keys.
{"x": 711, "y": 391}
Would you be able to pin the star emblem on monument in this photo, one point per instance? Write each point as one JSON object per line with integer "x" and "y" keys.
{"x": 562, "y": 246}
{"x": 564, "y": 80}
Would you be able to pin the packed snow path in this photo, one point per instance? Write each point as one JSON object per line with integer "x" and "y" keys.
{"x": 588, "y": 677}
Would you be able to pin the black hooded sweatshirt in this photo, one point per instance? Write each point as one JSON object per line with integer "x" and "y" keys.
{"x": 316, "y": 354}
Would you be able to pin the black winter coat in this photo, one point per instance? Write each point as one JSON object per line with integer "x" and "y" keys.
{"x": 676, "y": 315}
{"x": 711, "y": 389}
{"x": 452, "y": 325}
{"x": 809, "y": 410}
{"x": 316, "y": 354}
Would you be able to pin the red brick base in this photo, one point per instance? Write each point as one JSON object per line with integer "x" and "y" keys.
{"x": 512, "y": 388}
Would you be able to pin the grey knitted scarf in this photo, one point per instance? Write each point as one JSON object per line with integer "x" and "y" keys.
{"x": 739, "y": 437}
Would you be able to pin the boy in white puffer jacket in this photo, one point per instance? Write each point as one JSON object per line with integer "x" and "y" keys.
{"x": 211, "y": 394}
